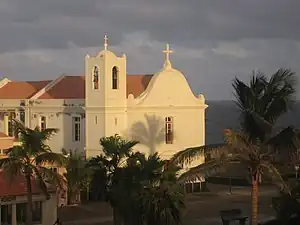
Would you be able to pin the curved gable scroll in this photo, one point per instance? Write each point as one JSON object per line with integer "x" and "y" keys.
{"x": 169, "y": 88}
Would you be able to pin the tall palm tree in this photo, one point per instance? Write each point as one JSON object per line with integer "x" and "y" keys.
{"x": 257, "y": 158}
{"x": 139, "y": 182}
{"x": 76, "y": 175}
{"x": 99, "y": 178}
{"x": 30, "y": 160}
{"x": 151, "y": 190}
{"x": 261, "y": 104}
{"x": 116, "y": 150}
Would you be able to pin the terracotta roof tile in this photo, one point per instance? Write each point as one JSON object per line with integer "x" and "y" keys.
{"x": 21, "y": 90}
{"x": 70, "y": 87}
{"x": 73, "y": 87}
{"x": 136, "y": 84}
{"x": 17, "y": 187}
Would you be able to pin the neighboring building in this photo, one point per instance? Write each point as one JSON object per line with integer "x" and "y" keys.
{"x": 13, "y": 203}
{"x": 160, "y": 111}
{"x": 6, "y": 142}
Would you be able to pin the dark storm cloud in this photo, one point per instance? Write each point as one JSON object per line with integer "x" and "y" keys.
{"x": 214, "y": 40}
{"x": 52, "y": 24}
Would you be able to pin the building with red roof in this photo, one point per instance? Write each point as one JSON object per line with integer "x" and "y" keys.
{"x": 159, "y": 110}
{"x": 13, "y": 198}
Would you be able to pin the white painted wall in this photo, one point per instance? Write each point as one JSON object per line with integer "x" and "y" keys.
{"x": 58, "y": 115}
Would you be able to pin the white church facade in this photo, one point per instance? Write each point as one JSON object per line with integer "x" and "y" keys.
{"x": 160, "y": 110}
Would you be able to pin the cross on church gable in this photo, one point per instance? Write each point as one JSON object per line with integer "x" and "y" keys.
{"x": 167, "y": 52}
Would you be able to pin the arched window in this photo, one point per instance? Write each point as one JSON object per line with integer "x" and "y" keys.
{"x": 96, "y": 78}
{"x": 115, "y": 77}
{"x": 169, "y": 136}
{"x": 43, "y": 123}
{"x": 11, "y": 118}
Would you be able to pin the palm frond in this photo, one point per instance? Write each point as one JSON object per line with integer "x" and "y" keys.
{"x": 287, "y": 138}
{"x": 50, "y": 158}
{"x": 52, "y": 178}
{"x": 187, "y": 156}
{"x": 47, "y": 133}
{"x": 33, "y": 140}
{"x": 279, "y": 94}
{"x": 116, "y": 145}
{"x": 208, "y": 168}
{"x": 12, "y": 167}
{"x": 263, "y": 101}
{"x": 273, "y": 173}
{"x": 41, "y": 182}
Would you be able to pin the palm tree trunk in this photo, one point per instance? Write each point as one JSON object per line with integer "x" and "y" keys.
{"x": 117, "y": 220}
{"x": 115, "y": 216}
{"x": 29, "y": 199}
{"x": 254, "y": 200}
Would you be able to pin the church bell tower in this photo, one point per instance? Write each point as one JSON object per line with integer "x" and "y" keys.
{"x": 105, "y": 97}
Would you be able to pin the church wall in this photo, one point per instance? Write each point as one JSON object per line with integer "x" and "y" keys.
{"x": 95, "y": 124}
{"x": 147, "y": 125}
{"x": 103, "y": 123}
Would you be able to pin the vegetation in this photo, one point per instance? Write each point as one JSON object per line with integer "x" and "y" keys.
{"x": 30, "y": 160}
{"x": 287, "y": 205}
{"x": 141, "y": 182}
{"x": 98, "y": 188}
{"x": 256, "y": 146}
{"x": 77, "y": 175}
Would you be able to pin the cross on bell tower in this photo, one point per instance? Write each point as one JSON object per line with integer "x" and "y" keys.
{"x": 105, "y": 42}
{"x": 167, "y": 52}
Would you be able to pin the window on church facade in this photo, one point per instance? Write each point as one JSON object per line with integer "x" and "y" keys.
{"x": 11, "y": 117}
{"x": 43, "y": 124}
{"x": 169, "y": 136}
{"x": 115, "y": 77}
{"x": 96, "y": 78}
{"x": 22, "y": 111}
{"x": 22, "y": 116}
{"x": 76, "y": 128}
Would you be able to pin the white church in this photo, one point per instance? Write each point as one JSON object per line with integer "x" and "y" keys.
{"x": 160, "y": 110}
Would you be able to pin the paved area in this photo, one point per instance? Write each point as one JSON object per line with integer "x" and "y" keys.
{"x": 200, "y": 209}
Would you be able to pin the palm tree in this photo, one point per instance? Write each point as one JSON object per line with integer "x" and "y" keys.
{"x": 139, "y": 182}
{"x": 261, "y": 103}
{"x": 115, "y": 152}
{"x": 30, "y": 160}
{"x": 257, "y": 158}
{"x": 151, "y": 190}
{"x": 76, "y": 175}
{"x": 99, "y": 178}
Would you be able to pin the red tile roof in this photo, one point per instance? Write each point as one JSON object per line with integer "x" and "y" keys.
{"x": 21, "y": 90}
{"x": 69, "y": 87}
{"x": 17, "y": 187}
{"x": 136, "y": 84}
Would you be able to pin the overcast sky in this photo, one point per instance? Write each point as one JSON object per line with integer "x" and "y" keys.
{"x": 213, "y": 41}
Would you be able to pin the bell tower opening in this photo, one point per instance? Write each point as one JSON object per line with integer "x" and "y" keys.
{"x": 115, "y": 78}
{"x": 95, "y": 78}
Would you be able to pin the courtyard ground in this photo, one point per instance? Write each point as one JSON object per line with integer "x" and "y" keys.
{"x": 200, "y": 208}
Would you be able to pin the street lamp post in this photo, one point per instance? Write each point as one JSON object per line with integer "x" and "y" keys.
{"x": 230, "y": 186}
{"x": 296, "y": 169}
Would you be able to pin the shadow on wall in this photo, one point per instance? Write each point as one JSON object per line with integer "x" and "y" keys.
{"x": 149, "y": 133}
